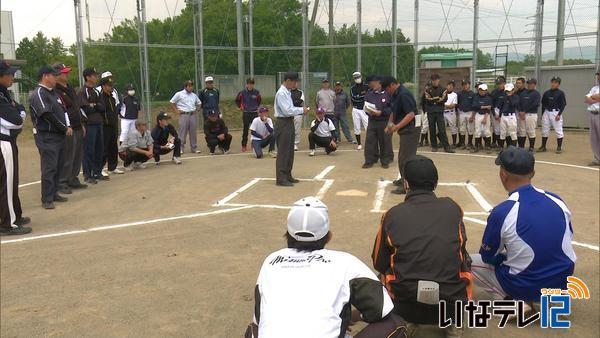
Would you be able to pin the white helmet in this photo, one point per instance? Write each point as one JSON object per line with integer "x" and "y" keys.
{"x": 308, "y": 220}
{"x": 357, "y": 77}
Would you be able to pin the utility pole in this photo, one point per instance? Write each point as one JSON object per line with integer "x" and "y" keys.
{"x": 313, "y": 17}
{"x": 394, "y": 38}
{"x": 539, "y": 26}
{"x": 358, "y": 35}
{"x": 251, "y": 35}
{"x": 240, "y": 44}
{"x": 560, "y": 33}
{"x": 199, "y": 25}
{"x": 87, "y": 19}
{"x": 195, "y": 27}
{"x": 305, "y": 40}
{"x": 331, "y": 50}
{"x": 475, "y": 37}
{"x": 416, "y": 48}
{"x": 598, "y": 41}
{"x": 144, "y": 67}
{"x": 79, "y": 40}
{"x": 141, "y": 51}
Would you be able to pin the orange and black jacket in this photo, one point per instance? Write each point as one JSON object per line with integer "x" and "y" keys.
{"x": 423, "y": 239}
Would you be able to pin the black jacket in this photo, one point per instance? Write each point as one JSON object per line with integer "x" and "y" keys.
{"x": 509, "y": 105}
{"x": 160, "y": 135}
{"x": 71, "y": 103}
{"x": 357, "y": 95}
{"x": 297, "y": 97}
{"x": 132, "y": 107}
{"x": 435, "y": 98}
{"x": 10, "y": 111}
{"x": 91, "y": 105}
{"x": 212, "y": 129}
{"x": 108, "y": 109}
{"x": 47, "y": 111}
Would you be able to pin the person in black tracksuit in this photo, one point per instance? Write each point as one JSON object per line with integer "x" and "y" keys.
{"x": 130, "y": 109}
{"x": 110, "y": 121}
{"x": 12, "y": 116}
{"x": 216, "y": 133}
{"x": 378, "y": 145}
{"x": 435, "y": 98}
{"x": 162, "y": 134}
{"x": 93, "y": 142}
{"x": 210, "y": 97}
{"x": 248, "y": 100}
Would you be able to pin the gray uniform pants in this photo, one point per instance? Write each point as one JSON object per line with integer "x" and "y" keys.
{"x": 50, "y": 146}
{"x": 378, "y": 145}
{"x": 595, "y": 135}
{"x": 284, "y": 134}
{"x": 188, "y": 124}
{"x": 409, "y": 140}
{"x": 73, "y": 155}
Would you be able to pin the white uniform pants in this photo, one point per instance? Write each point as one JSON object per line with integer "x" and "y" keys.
{"x": 484, "y": 276}
{"x": 527, "y": 127}
{"x": 549, "y": 120}
{"x": 496, "y": 123}
{"x": 297, "y": 128}
{"x": 508, "y": 127}
{"x": 464, "y": 126}
{"x": 482, "y": 129}
{"x": 424, "y": 123}
{"x": 359, "y": 118}
{"x": 450, "y": 118}
{"x": 127, "y": 125}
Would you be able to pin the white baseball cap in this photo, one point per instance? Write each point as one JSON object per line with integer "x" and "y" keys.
{"x": 356, "y": 75}
{"x": 482, "y": 86}
{"x": 106, "y": 74}
{"x": 209, "y": 79}
{"x": 509, "y": 87}
{"x": 308, "y": 220}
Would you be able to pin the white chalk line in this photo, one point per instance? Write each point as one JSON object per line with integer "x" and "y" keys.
{"x": 326, "y": 185}
{"x": 125, "y": 225}
{"x": 238, "y": 191}
{"x": 576, "y": 243}
{"x": 485, "y": 205}
{"x": 379, "y": 195}
{"x": 324, "y": 173}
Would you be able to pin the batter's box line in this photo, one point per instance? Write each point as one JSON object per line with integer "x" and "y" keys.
{"x": 320, "y": 177}
{"x": 485, "y": 205}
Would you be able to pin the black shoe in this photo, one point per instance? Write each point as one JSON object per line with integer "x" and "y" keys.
{"x": 78, "y": 186}
{"x": 474, "y": 150}
{"x": 420, "y": 144}
{"x": 23, "y": 221}
{"x": 531, "y": 149}
{"x": 449, "y": 150}
{"x": 285, "y": 184}
{"x": 426, "y": 143}
{"x": 293, "y": 180}
{"x": 48, "y": 205}
{"x": 367, "y": 165}
{"x": 385, "y": 165}
{"x": 559, "y": 150}
{"x": 65, "y": 190}
{"x": 91, "y": 180}
{"x": 14, "y": 231}
{"x": 101, "y": 178}
{"x": 399, "y": 191}
{"x": 59, "y": 198}
{"x": 398, "y": 183}
{"x": 542, "y": 149}
{"x": 434, "y": 149}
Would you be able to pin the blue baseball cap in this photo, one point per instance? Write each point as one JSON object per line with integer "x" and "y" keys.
{"x": 516, "y": 161}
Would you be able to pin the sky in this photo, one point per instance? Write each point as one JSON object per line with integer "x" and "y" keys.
{"x": 56, "y": 18}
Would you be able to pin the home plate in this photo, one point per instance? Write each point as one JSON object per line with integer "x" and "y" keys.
{"x": 352, "y": 193}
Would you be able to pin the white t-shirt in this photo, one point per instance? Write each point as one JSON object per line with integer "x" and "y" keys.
{"x": 304, "y": 294}
{"x": 259, "y": 126}
{"x": 186, "y": 101}
{"x": 452, "y": 99}
{"x": 596, "y": 106}
{"x": 324, "y": 128}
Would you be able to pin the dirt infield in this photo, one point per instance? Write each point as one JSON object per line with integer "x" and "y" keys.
{"x": 175, "y": 250}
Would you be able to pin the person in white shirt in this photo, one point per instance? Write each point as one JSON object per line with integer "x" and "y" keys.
{"x": 325, "y": 99}
{"x": 185, "y": 103}
{"x": 593, "y": 101}
{"x": 261, "y": 130}
{"x": 306, "y": 290}
{"x": 450, "y": 111}
{"x": 321, "y": 133}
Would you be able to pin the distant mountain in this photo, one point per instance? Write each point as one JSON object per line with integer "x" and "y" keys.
{"x": 589, "y": 52}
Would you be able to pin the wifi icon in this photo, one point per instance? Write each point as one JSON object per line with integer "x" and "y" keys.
{"x": 576, "y": 288}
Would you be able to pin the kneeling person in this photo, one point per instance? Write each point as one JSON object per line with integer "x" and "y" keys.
{"x": 306, "y": 290}
{"x": 262, "y": 133}
{"x": 321, "y": 135}
{"x": 216, "y": 133}
{"x": 165, "y": 139}
{"x": 137, "y": 147}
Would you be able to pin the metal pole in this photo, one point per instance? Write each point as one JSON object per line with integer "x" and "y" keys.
{"x": 416, "y": 48}
{"x": 145, "y": 67}
{"x": 141, "y": 51}
{"x": 195, "y": 27}
{"x": 475, "y": 37}
{"x": 539, "y": 26}
{"x": 394, "y": 38}
{"x": 305, "y": 75}
{"x": 79, "y": 40}
{"x": 313, "y": 17}
{"x": 240, "y": 44}
{"x": 199, "y": 18}
{"x": 358, "y": 35}
{"x": 560, "y": 33}
{"x": 87, "y": 19}
{"x": 251, "y": 35}
{"x": 598, "y": 40}
{"x": 332, "y": 50}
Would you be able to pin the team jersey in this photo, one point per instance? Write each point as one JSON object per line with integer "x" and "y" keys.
{"x": 309, "y": 294}
{"x": 528, "y": 238}
{"x": 322, "y": 128}
{"x": 452, "y": 98}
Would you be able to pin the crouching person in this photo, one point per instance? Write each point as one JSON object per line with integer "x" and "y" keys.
{"x": 306, "y": 290}
{"x": 321, "y": 133}
{"x": 217, "y": 133}
{"x": 262, "y": 133}
{"x": 165, "y": 139}
{"x": 137, "y": 147}
{"x": 420, "y": 250}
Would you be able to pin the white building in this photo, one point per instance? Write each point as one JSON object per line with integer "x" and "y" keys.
{"x": 7, "y": 44}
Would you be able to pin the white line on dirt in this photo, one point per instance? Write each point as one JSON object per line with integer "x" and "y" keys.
{"x": 239, "y": 191}
{"x": 583, "y": 245}
{"x": 485, "y": 205}
{"x": 266, "y": 206}
{"x": 324, "y": 173}
{"x": 324, "y": 188}
{"x": 379, "y": 195}
{"x": 28, "y": 184}
{"x": 124, "y": 225}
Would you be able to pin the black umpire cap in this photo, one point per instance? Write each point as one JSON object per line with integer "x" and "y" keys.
{"x": 555, "y": 79}
{"x": 420, "y": 173}
{"x": 6, "y": 68}
{"x": 162, "y": 116}
{"x": 500, "y": 79}
{"x": 292, "y": 76}
{"x": 532, "y": 80}
{"x": 387, "y": 80}
{"x": 516, "y": 161}
{"x": 372, "y": 78}
{"x": 45, "y": 69}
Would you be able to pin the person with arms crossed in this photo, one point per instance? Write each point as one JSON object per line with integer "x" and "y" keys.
{"x": 210, "y": 97}
{"x": 165, "y": 139}
{"x": 526, "y": 244}
{"x": 435, "y": 99}
{"x": 130, "y": 109}
{"x": 378, "y": 143}
{"x": 341, "y": 104}
{"x": 109, "y": 109}
{"x": 321, "y": 133}
{"x": 248, "y": 100}
{"x": 424, "y": 142}
{"x": 483, "y": 104}
{"x": 186, "y": 103}
{"x": 508, "y": 108}
{"x": 498, "y": 95}
{"x": 553, "y": 106}
{"x": 450, "y": 110}
{"x": 325, "y": 99}
{"x": 466, "y": 127}
{"x": 593, "y": 101}
{"x": 285, "y": 111}
{"x": 298, "y": 101}
{"x": 357, "y": 96}
{"x": 530, "y": 103}
{"x": 137, "y": 147}
{"x": 93, "y": 145}
{"x": 261, "y": 131}
{"x": 12, "y": 117}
